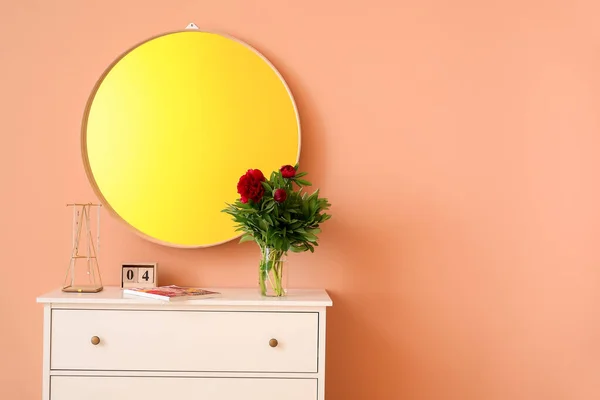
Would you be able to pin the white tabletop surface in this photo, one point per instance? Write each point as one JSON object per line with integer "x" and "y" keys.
{"x": 229, "y": 297}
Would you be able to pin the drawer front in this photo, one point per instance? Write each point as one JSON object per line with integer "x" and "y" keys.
{"x": 184, "y": 341}
{"x": 152, "y": 388}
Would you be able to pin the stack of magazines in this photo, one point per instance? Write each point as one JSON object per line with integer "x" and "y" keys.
{"x": 171, "y": 293}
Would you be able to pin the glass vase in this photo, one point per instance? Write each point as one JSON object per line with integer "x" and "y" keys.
{"x": 272, "y": 274}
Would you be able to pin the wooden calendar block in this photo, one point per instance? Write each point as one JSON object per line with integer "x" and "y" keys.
{"x": 146, "y": 275}
{"x": 129, "y": 276}
{"x": 140, "y": 275}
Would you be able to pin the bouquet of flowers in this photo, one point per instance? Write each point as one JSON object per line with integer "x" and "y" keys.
{"x": 279, "y": 216}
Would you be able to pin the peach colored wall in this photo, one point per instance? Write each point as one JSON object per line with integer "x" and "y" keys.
{"x": 457, "y": 140}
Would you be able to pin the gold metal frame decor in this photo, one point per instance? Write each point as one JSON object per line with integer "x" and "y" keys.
{"x": 86, "y": 278}
{"x": 172, "y": 124}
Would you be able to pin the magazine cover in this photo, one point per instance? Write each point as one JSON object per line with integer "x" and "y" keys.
{"x": 171, "y": 293}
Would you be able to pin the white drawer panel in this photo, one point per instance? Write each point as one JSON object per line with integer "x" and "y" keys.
{"x": 184, "y": 341}
{"x": 152, "y": 388}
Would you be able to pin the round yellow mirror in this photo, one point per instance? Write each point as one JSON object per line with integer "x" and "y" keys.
{"x": 172, "y": 125}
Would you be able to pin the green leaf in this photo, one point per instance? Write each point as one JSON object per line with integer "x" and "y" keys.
{"x": 267, "y": 186}
{"x": 296, "y": 225}
{"x": 247, "y": 238}
{"x": 310, "y": 237}
{"x": 299, "y": 249}
{"x": 305, "y": 208}
{"x": 269, "y": 266}
{"x": 285, "y": 244}
{"x": 302, "y": 182}
{"x": 325, "y": 217}
{"x": 268, "y": 218}
{"x": 263, "y": 225}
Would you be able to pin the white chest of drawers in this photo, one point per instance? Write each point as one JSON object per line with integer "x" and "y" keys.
{"x": 238, "y": 346}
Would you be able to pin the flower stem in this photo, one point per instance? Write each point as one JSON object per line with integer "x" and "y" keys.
{"x": 262, "y": 272}
{"x": 273, "y": 276}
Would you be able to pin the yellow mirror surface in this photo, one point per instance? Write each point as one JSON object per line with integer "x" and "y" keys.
{"x": 174, "y": 123}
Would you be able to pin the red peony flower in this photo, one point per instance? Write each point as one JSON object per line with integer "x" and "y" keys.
{"x": 287, "y": 171}
{"x": 250, "y": 187}
{"x": 279, "y": 195}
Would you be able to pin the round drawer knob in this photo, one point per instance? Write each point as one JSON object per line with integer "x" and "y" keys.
{"x": 273, "y": 342}
{"x": 95, "y": 340}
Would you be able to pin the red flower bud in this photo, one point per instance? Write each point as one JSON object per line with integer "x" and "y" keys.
{"x": 279, "y": 195}
{"x": 250, "y": 187}
{"x": 287, "y": 171}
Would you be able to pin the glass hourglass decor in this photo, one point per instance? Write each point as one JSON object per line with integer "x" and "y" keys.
{"x": 83, "y": 274}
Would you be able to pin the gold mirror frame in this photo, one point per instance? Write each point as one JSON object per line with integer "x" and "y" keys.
{"x": 92, "y": 167}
